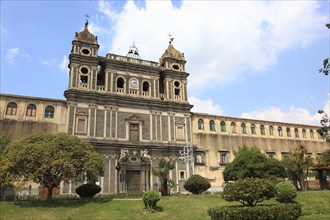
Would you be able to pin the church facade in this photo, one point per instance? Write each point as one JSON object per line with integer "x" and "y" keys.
{"x": 135, "y": 112}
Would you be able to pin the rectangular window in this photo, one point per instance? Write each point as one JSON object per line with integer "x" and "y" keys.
{"x": 285, "y": 155}
{"x": 134, "y": 132}
{"x": 271, "y": 154}
{"x": 81, "y": 123}
{"x": 199, "y": 158}
{"x": 182, "y": 175}
{"x": 180, "y": 132}
{"x": 223, "y": 157}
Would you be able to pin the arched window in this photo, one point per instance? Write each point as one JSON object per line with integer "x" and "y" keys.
{"x": 31, "y": 110}
{"x": 262, "y": 129}
{"x": 212, "y": 125}
{"x": 223, "y": 126}
{"x": 145, "y": 86}
{"x": 296, "y": 132}
{"x": 11, "y": 108}
{"x": 253, "y": 129}
{"x": 304, "y": 133}
{"x": 200, "y": 124}
{"x": 120, "y": 83}
{"x": 271, "y": 130}
{"x": 280, "y": 132}
{"x": 177, "y": 88}
{"x": 288, "y": 132}
{"x": 49, "y": 112}
{"x": 233, "y": 127}
{"x": 243, "y": 126}
{"x": 312, "y": 134}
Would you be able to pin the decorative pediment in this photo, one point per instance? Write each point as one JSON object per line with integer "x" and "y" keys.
{"x": 134, "y": 117}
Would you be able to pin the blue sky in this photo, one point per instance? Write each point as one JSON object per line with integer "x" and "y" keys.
{"x": 252, "y": 59}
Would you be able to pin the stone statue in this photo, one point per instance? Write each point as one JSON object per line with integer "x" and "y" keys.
{"x": 123, "y": 154}
{"x": 145, "y": 155}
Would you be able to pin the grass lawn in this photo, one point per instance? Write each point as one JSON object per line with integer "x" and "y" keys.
{"x": 315, "y": 205}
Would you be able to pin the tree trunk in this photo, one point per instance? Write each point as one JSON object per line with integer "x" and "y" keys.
{"x": 50, "y": 192}
{"x": 163, "y": 188}
{"x": 302, "y": 182}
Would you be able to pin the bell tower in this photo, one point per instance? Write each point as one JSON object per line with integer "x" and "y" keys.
{"x": 84, "y": 60}
{"x": 173, "y": 78}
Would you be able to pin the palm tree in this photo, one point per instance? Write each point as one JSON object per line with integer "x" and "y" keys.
{"x": 162, "y": 171}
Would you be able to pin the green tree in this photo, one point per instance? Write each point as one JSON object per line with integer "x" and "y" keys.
{"x": 326, "y": 65}
{"x": 297, "y": 164}
{"x": 322, "y": 167}
{"x": 250, "y": 162}
{"x": 196, "y": 184}
{"x": 249, "y": 191}
{"x": 162, "y": 171}
{"x": 4, "y": 141}
{"x": 324, "y": 131}
{"x": 48, "y": 159}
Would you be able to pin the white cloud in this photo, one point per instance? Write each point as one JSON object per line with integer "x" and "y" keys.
{"x": 205, "y": 106}
{"x": 294, "y": 115}
{"x": 221, "y": 40}
{"x": 4, "y": 31}
{"x": 64, "y": 64}
{"x": 12, "y": 53}
{"x": 47, "y": 62}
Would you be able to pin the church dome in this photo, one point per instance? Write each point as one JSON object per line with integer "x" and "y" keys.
{"x": 86, "y": 36}
{"x": 173, "y": 53}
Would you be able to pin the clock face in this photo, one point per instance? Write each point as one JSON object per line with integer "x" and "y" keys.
{"x": 133, "y": 82}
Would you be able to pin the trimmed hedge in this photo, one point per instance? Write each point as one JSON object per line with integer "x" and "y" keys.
{"x": 286, "y": 192}
{"x": 288, "y": 211}
{"x": 88, "y": 190}
{"x": 197, "y": 184}
{"x": 150, "y": 199}
{"x": 249, "y": 191}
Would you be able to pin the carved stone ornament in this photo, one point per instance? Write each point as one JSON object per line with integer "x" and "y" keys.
{"x": 145, "y": 155}
{"x": 123, "y": 154}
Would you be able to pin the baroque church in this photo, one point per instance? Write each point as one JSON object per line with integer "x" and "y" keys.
{"x": 135, "y": 112}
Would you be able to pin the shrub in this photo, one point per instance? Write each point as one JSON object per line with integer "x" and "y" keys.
{"x": 249, "y": 191}
{"x": 270, "y": 212}
{"x": 286, "y": 192}
{"x": 196, "y": 184}
{"x": 88, "y": 190}
{"x": 150, "y": 199}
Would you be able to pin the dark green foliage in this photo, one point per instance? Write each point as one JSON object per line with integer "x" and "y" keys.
{"x": 150, "y": 199}
{"x": 249, "y": 191}
{"x": 88, "y": 190}
{"x": 48, "y": 159}
{"x": 251, "y": 163}
{"x": 290, "y": 211}
{"x": 286, "y": 192}
{"x": 196, "y": 184}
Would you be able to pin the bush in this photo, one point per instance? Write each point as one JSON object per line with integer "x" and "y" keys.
{"x": 88, "y": 190}
{"x": 196, "y": 184}
{"x": 150, "y": 199}
{"x": 249, "y": 191}
{"x": 286, "y": 192}
{"x": 270, "y": 212}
